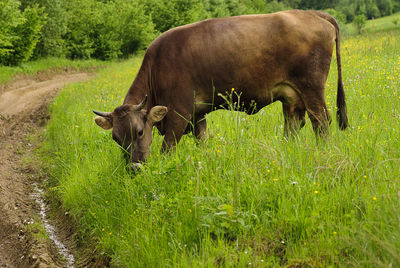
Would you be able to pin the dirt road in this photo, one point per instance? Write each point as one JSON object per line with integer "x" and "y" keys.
{"x": 23, "y": 112}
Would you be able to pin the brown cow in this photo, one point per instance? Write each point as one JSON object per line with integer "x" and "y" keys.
{"x": 282, "y": 56}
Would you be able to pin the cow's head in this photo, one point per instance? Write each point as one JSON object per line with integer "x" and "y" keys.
{"x": 132, "y": 128}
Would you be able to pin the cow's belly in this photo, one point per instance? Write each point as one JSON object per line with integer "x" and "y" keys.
{"x": 210, "y": 99}
{"x": 285, "y": 92}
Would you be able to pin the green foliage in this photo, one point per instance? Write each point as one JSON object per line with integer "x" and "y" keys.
{"x": 359, "y": 22}
{"x": 167, "y": 14}
{"x": 396, "y": 6}
{"x": 20, "y": 31}
{"x": 107, "y": 30}
{"x": 295, "y": 203}
{"x": 235, "y": 7}
{"x": 370, "y": 8}
{"x": 10, "y": 18}
{"x": 82, "y": 18}
{"x": 275, "y": 6}
{"x": 217, "y": 8}
{"x": 28, "y": 33}
{"x": 137, "y": 29}
{"x": 385, "y": 7}
{"x": 52, "y": 42}
{"x": 255, "y": 6}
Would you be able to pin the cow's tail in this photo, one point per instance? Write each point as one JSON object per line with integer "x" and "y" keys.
{"x": 341, "y": 113}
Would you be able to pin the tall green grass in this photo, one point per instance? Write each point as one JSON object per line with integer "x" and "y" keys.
{"x": 246, "y": 196}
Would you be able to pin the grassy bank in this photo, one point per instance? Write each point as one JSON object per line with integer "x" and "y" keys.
{"x": 388, "y": 23}
{"x": 246, "y": 196}
{"x": 53, "y": 65}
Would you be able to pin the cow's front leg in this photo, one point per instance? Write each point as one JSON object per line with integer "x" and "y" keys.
{"x": 175, "y": 126}
{"x": 200, "y": 128}
{"x": 294, "y": 119}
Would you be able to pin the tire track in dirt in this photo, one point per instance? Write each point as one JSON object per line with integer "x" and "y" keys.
{"x": 23, "y": 112}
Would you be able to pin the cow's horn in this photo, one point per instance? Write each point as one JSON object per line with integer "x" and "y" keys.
{"x": 103, "y": 114}
{"x": 142, "y": 104}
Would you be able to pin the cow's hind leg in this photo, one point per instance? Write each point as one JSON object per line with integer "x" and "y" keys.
{"x": 310, "y": 78}
{"x": 318, "y": 113}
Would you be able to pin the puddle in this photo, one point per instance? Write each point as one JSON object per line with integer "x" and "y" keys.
{"x": 50, "y": 229}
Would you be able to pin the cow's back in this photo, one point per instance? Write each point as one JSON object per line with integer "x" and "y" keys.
{"x": 251, "y": 53}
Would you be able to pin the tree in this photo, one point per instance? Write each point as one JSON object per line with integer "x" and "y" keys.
{"x": 20, "y": 31}
{"x": 275, "y": 6}
{"x": 385, "y": 7}
{"x": 52, "y": 42}
{"x": 359, "y": 22}
{"x": 216, "y": 8}
{"x": 10, "y": 18}
{"x": 167, "y": 14}
{"x": 107, "y": 29}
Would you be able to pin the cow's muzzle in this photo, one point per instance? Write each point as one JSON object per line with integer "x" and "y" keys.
{"x": 136, "y": 166}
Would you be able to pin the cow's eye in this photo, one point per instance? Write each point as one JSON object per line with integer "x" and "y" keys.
{"x": 140, "y": 133}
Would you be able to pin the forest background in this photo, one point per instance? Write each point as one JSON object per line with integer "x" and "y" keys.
{"x": 109, "y": 29}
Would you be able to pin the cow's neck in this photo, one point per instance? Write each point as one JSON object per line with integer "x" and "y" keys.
{"x": 137, "y": 92}
{"x": 141, "y": 86}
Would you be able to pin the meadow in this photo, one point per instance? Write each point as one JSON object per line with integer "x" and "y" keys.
{"x": 386, "y": 23}
{"x": 48, "y": 65}
{"x": 246, "y": 196}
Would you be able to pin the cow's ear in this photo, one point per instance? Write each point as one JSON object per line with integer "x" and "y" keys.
{"x": 103, "y": 122}
{"x": 157, "y": 113}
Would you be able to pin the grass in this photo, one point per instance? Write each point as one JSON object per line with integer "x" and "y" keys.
{"x": 387, "y": 23}
{"x": 7, "y": 73}
{"x": 245, "y": 197}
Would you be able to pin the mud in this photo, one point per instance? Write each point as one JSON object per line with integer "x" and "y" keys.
{"x": 23, "y": 114}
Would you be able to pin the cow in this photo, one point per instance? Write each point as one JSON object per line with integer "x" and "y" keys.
{"x": 283, "y": 56}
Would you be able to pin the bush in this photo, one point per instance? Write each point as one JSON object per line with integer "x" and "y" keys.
{"x": 20, "y": 31}
{"x": 51, "y": 42}
{"x": 135, "y": 29}
{"x": 359, "y": 22}
{"x": 167, "y": 14}
{"x": 107, "y": 30}
{"x": 10, "y": 18}
{"x": 385, "y": 6}
{"x": 275, "y": 6}
{"x": 217, "y": 8}
{"x": 373, "y": 11}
